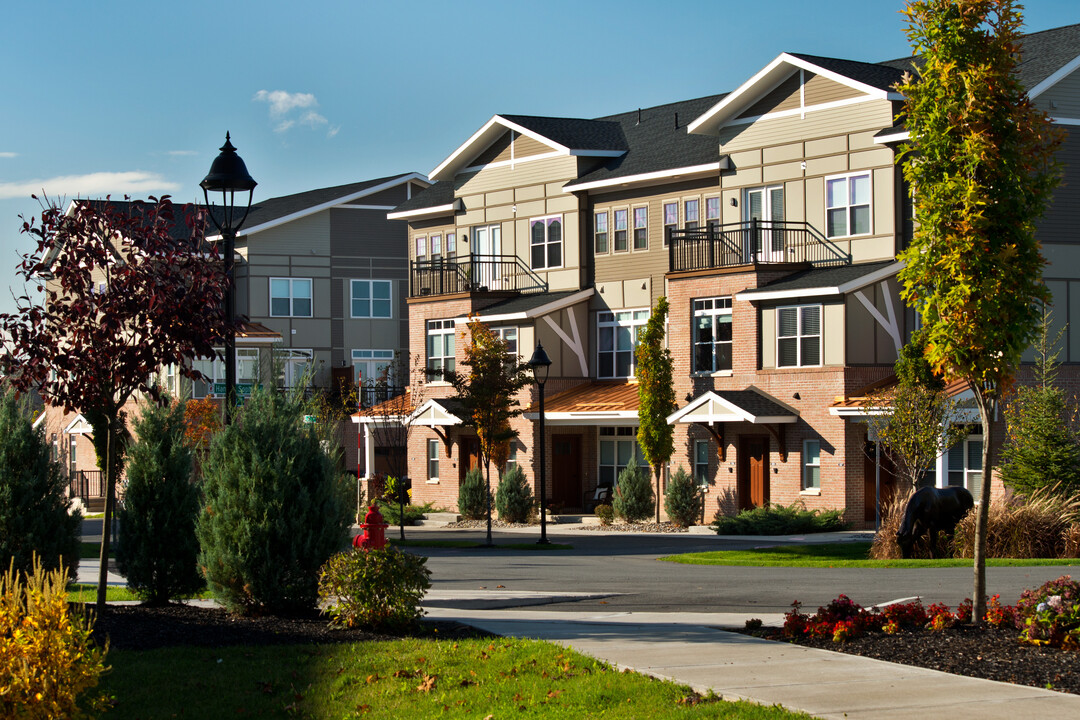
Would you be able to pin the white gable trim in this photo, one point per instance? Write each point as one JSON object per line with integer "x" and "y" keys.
{"x": 766, "y": 79}
{"x": 411, "y": 177}
{"x": 1055, "y": 78}
{"x": 895, "y": 137}
{"x": 426, "y": 212}
{"x": 802, "y": 110}
{"x": 661, "y": 175}
{"x": 78, "y": 426}
{"x": 432, "y": 414}
{"x": 825, "y": 290}
{"x": 711, "y": 408}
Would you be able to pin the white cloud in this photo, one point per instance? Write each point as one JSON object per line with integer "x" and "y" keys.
{"x": 285, "y": 110}
{"x": 333, "y": 131}
{"x": 99, "y": 184}
{"x": 183, "y": 152}
{"x": 8, "y": 154}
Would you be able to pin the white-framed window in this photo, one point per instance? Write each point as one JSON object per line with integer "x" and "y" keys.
{"x": 290, "y": 297}
{"x": 617, "y": 337}
{"x": 847, "y": 205}
{"x": 617, "y": 446}
{"x": 73, "y": 453}
{"x": 798, "y": 336}
{"x": 701, "y": 462}
{"x": 600, "y": 232}
{"x": 436, "y": 245}
{"x": 247, "y": 365}
{"x": 371, "y": 299}
{"x": 172, "y": 380}
{"x": 294, "y": 366}
{"x": 511, "y": 458}
{"x": 641, "y": 228}
{"x": 433, "y": 460}
{"x": 451, "y": 243}
{"x": 509, "y": 335}
{"x": 811, "y": 456}
{"x": 373, "y": 366}
{"x": 440, "y": 348}
{"x": 964, "y": 464}
{"x": 671, "y": 218}
{"x": 546, "y": 241}
{"x": 712, "y": 334}
{"x": 691, "y": 213}
{"x": 421, "y": 246}
{"x": 621, "y": 219}
{"x": 214, "y": 370}
{"x": 712, "y": 211}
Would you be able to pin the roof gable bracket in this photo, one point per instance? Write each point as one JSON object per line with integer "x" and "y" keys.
{"x": 717, "y": 432}
{"x": 573, "y": 345}
{"x": 445, "y": 437}
{"x": 890, "y": 326}
{"x": 778, "y": 434}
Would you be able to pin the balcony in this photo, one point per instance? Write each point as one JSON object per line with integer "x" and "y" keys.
{"x": 751, "y": 243}
{"x": 473, "y": 273}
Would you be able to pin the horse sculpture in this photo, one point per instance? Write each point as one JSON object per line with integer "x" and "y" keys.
{"x": 932, "y": 510}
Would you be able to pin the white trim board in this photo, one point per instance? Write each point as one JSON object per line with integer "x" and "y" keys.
{"x": 1057, "y": 76}
{"x": 533, "y": 312}
{"x": 672, "y": 174}
{"x": 824, "y": 290}
{"x": 426, "y": 212}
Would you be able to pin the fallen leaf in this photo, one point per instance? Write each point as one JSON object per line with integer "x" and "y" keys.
{"x": 373, "y": 678}
{"x": 500, "y": 586}
{"x": 363, "y": 708}
{"x": 466, "y": 683}
{"x": 554, "y": 693}
{"x": 428, "y": 683}
{"x": 405, "y": 674}
{"x": 517, "y": 696}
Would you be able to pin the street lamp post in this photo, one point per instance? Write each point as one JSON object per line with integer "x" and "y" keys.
{"x": 540, "y": 364}
{"x": 228, "y": 175}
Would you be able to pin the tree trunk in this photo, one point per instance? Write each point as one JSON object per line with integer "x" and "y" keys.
{"x": 487, "y": 481}
{"x": 982, "y": 510}
{"x": 106, "y": 527}
{"x": 658, "y": 469}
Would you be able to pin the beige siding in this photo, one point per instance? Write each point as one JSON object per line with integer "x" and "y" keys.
{"x": 873, "y": 114}
{"x": 524, "y": 174}
{"x": 496, "y": 152}
{"x": 784, "y": 96}
{"x": 832, "y": 334}
{"x": 1059, "y": 224}
{"x": 1063, "y": 99}
{"x": 820, "y": 90}
{"x": 565, "y": 361}
{"x": 527, "y": 146}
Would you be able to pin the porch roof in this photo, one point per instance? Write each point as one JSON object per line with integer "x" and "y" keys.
{"x": 856, "y": 405}
{"x": 395, "y": 409}
{"x": 251, "y": 333}
{"x": 602, "y": 402}
{"x": 724, "y": 406}
{"x": 438, "y": 412}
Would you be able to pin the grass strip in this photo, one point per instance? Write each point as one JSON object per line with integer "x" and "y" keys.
{"x": 840, "y": 555}
{"x": 87, "y": 593}
{"x": 415, "y": 678}
{"x": 92, "y": 550}
{"x": 467, "y": 544}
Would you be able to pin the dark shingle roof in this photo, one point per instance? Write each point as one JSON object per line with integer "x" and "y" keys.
{"x": 875, "y": 75}
{"x": 814, "y": 278}
{"x": 524, "y": 303}
{"x": 265, "y": 211}
{"x": 574, "y": 133}
{"x": 755, "y": 403}
{"x": 441, "y": 193}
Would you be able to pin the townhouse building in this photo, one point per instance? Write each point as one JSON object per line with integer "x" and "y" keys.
{"x": 769, "y": 216}
{"x": 321, "y": 286}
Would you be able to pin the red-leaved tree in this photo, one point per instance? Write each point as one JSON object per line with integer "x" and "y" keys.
{"x": 127, "y": 288}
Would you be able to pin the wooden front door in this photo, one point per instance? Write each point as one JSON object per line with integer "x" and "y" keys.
{"x": 888, "y": 483}
{"x": 468, "y": 455}
{"x": 753, "y": 472}
{"x": 564, "y": 476}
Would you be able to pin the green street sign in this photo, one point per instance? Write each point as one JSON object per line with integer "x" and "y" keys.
{"x": 309, "y": 419}
{"x": 242, "y": 389}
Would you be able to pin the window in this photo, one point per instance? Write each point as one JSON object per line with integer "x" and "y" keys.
{"x": 798, "y": 337}
{"x": 712, "y": 334}
{"x": 436, "y": 245}
{"x": 641, "y": 228}
{"x": 847, "y": 203}
{"x": 73, "y": 455}
{"x": 294, "y": 367}
{"x": 546, "y": 242}
{"x": 290, "y": 297}
{"x": 811, "y": 453}
{"x": 371, "y": 299}
{"x": 712, "y": 211}
{"x": 701, "y": 462}
{"x": 965, "y": 464}
{"x": 432, "y": 460}
{"x": 511, "y": 458}
{"x": 373, "y": 366}
{"x": 617, "y": 446}
{"x": 172, "y": 385}
{"x": 451, "y": 243}
{"x": 509, "y": 336}
{"x": 214, "y": 370}
{"x": 247, "y": 365}
{"x": 54, "y": 448}
{"x": 620, "y": 230}
{"x": 440, "y": 348}
{"x": 671, "y": 219}
{"x": 617, "y": 335}
{"x": 690, "y": 214}
{"x": 421, "y": 246}
{"x": 600, "y": 232}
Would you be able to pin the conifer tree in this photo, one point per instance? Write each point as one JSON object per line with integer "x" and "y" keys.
{"x": 656, "y": 395}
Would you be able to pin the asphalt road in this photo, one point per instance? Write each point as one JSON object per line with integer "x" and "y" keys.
{"x": 627, "y": 566}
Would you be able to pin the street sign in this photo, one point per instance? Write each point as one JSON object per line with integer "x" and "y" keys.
{"x": 242, "y": 389}
{"x": 309, "y": 419}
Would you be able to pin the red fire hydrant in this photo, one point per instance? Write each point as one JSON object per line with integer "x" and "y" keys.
{"x": 374, "y": 526}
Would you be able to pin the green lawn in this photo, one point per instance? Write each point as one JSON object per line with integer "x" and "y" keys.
{"x": 92, "y": 550}
{"x": 87, "y": 593}
{"x": 837, "y": 555}
{"x": 404, "y": 678}
{"x": 475, "y": 544}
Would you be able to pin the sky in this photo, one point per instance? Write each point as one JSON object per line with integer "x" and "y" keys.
{"x": 134, "y": 98}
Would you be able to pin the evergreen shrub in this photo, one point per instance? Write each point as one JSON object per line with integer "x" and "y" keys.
{"x": 514, "y": 499}
{"x": 634, "y": 500}
{"x": 49, "y": 665}
{"x": 157, "y": 549}
{"x": 473, "y": 496}
{"x": 377, "y": 588}
{"x": 682, "y": 499}
{"x": 274, "y": 511}
{"x": 35, "y": 514}
{"x": 779, "y": 520}
{"x": 605, "y": 514}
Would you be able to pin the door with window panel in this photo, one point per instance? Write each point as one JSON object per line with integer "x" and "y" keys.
{"x": 487, "y": 242}
{"x": 766, "y": 206}
{"x": 617, "y": 446}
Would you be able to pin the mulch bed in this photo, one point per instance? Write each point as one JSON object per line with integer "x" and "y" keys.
{"x": 138, "y": 627}
{"x": 990, "y": 653}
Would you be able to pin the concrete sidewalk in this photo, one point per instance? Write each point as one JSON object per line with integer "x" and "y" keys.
{"x": 690, "y": 648}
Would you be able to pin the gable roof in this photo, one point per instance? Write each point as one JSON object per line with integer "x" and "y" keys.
{"x": 828, "y": 281}
{"x": 565, "y": 136}
{"x": 750, "y": 405}
{"x": 529, "y": 306}
{"x": 436, "y": 199}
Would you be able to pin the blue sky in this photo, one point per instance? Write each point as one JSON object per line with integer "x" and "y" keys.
{"x": 135, "y": 97}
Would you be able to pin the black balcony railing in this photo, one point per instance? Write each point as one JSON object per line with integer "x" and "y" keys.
{"x": 86, "y": 484}
{"x": 749, "y": 243}
{"x": 373, "y": 395}
{"x": 473, "y": 273}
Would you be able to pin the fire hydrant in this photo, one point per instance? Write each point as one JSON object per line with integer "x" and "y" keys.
{"x": 374, "y": 527}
